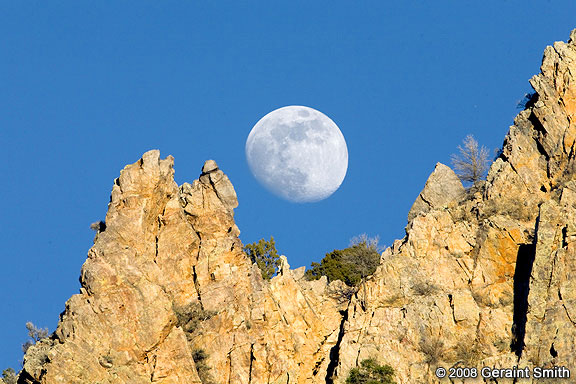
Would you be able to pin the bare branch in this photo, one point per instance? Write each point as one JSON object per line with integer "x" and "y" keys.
{"x": 471, "y": 163}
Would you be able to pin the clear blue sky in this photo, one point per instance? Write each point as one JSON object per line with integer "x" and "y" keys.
{"x": 87, "y": 87}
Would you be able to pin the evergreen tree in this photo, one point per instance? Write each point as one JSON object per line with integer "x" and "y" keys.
{"x": 370, "y": 372}
{"x": 350, "y": 265}
{"x": 264, "y": 254}
{"x": 9, "y": 376}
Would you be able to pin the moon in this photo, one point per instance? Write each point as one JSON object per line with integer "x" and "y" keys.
{"x": 297, "y": 153}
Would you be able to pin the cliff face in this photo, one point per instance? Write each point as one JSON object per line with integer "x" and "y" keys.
{"x": 482, "y": 277}
{"x": 168, "y": 278}
{"x": 485, "y": 278}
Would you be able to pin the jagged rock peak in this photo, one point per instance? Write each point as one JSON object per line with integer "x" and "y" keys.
{"x": 214, "y": 177}
{"x": 209, "y": 166}
{"x": 538, "y": 155}
{"x": 442, "y": 187}
{"x": 488, "y": 280}
{"x": 167, "y": 290}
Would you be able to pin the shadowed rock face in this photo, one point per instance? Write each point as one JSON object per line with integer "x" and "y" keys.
{"x": 482, "y": 278}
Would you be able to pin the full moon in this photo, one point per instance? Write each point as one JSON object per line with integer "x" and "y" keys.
{"x": 297, "y": 153}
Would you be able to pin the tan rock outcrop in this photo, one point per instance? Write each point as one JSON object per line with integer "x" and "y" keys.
{"x": 483, "y": 277}
{"x": 478, "y": 283}
{"x": 442, "y": 187}
{"x": 166, "y": 279}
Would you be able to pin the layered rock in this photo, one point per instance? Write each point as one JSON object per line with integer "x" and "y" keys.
{"x": 483, "y": 277}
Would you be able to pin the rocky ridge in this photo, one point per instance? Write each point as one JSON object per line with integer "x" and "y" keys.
{"x": 167, "y": 291}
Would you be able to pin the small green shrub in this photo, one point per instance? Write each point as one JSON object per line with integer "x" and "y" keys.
{"x": 200, "y": 356}
{"x": 189, "y": 316}
{"x": 350, "y": 265}
{"x": 9, "y": 376}
{"x": 264, "y": 254}
{"x": 370, "y": 372}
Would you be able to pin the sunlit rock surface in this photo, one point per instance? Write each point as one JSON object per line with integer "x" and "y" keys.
{"x": 442, "y": 188}
{"x": 485, "y": 277}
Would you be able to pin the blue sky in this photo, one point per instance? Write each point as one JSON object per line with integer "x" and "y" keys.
{"x": 87, "y": 87}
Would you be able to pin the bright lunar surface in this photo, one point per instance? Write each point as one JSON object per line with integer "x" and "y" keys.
{"x": 298, "y": 153}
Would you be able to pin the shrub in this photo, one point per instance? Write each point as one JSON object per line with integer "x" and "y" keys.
{"x": 264, "y": 254}
{"x": 425, "y": 288}
{"x": 350, "y": 265}
{"x": 342, "y": 293}
{"x": 472, "y": 162}
{"x": 370, "y": 372}
{"x": 527, "y": 101}
{"x": 35, "y": 334}
{"x": 9, "y": 376}
{"x": 189, "y": 316}
{"x": 468, "y": 354}
{"x": 433, "y": 348}
{"x": 199, "y": 356}
{"x": 513, "y": 208}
